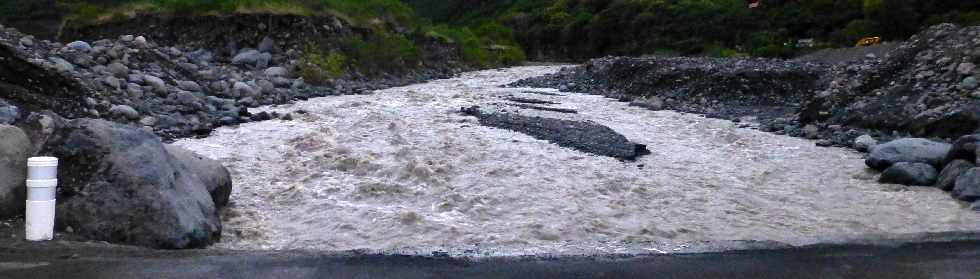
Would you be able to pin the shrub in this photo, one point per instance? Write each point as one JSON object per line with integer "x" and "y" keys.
{"x": 316, "y": 67}
{"x": 379, "y": 52}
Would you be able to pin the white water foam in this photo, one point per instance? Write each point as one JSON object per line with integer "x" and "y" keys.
{"x": 403, "y": 170}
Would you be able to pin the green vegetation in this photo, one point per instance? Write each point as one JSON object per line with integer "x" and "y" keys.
{"x": 317, "y": 67}
{"x": 499, "y": 32}
{"x": 580, "y": 29}
{"x": 380, "y": 52}
{"x": 363, "y": 12}
{"x": 485, "y": 45}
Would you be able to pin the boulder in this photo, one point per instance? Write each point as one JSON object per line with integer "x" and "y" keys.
{"x": 125, "y": 112}
{"x": 909, "y": 150}
{"x": 247, "y": 57}
{"x": 275, "y": 72}
{"x": 967, "y": 186}
{"x": 964, "y": 148}
{"x": 40, "y": 127}
{"x": 911, "y": 174}
{"x": 118, "y": 69}
{"x": 62, "y": 65}
{"x": 969, "y": 83}
{"x": 865, "y": 143}
{"x": 215, "y": 176}
{"x": 953, "y": 170}
{"x": 79, "y": 46}
{"x": 965, "y": 68}
{"x": 189, "y": 86}
{"x": 8, "y": 113}
{"x": 15, "y": 148}
{"x": 267, "y": 45}
{"x": 811, "y": 131}
{"x": 119, "y": 184}
{"x": 241, "y": 89}
{"x": 158, "y": 84}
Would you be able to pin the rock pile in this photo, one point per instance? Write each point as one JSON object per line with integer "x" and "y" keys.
{"x": 723, "y": 88}
{"x": 173, "y": 91}
{"x": 917, "y": 162}
{"x": 926, "y": 87}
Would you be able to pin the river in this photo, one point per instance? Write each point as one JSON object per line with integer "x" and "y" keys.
{"x": 403, "y": 170}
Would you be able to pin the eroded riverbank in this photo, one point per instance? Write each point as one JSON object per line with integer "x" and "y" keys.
{"x": 403, "y": 170}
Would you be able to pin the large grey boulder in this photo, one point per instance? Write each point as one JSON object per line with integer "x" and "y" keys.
{"x": 967, "y": 186}
{"x": 909, "y": 150}
{"x": 15, "y": 148}
{"x": 964, "y": 148}
{"x": 911, "y": 174}
{"x": 119, "y": 184}
{"x": 215, "y": 176}
{"x": 953, "y": 170}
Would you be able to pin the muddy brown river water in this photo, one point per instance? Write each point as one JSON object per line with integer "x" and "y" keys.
{"x": 403, "y": 170}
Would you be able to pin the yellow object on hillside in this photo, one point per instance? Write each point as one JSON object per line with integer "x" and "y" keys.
{"x": 868, "y": 41}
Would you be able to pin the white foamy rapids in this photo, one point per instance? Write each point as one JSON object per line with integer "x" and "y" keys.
{"x": 403, "y": 170}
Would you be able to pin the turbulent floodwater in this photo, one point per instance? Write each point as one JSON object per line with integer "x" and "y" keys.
{"x": 402, "y": 169}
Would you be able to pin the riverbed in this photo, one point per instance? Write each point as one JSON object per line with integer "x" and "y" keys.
{"x": 403, "y": 170}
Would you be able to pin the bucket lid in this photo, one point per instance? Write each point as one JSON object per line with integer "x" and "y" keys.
{"x": 42, "y": 162}
{"x": 47, "y": 183}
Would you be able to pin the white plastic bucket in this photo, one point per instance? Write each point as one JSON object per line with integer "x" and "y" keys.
{"x": 41, "y": 190}
{"x": 40, "y": 220}
{"x": 42, "y": 168}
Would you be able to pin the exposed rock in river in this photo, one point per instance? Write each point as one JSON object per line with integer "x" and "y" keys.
{"x": 584, "y": 136}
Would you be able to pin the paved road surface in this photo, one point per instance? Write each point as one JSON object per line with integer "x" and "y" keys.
{"x": 950, "y": 259}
